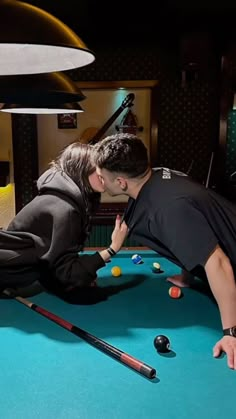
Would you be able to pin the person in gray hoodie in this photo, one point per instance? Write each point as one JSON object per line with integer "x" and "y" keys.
{"x": 44, "y": 241}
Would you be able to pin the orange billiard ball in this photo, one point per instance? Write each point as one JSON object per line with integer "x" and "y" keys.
{"x": 175, "y": 292}
{"x": 116, "y": 271}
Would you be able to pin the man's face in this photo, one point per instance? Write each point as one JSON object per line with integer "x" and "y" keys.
{"x": 110, "y": 181}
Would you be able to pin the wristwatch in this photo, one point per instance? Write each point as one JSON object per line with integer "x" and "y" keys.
{"x": 231, "y": 331}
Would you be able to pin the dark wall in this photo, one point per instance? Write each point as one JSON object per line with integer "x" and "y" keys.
{"x": 25, "y": 155}
{"x": 188, "y": 113}
{"x": 188, "y": 106}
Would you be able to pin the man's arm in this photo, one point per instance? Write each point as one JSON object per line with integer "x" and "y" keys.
{"x": 222, "y": 282}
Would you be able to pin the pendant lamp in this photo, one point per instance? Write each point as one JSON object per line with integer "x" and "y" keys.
{"x": 34, "y": 41}
{"x": 65, "y": 108}
{"x": 39, "y": 89}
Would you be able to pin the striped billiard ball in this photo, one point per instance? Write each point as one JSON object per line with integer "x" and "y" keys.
{"x": 136, "y": 259}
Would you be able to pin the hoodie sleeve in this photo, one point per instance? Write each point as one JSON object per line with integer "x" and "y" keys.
{"x": 74, "y": 270}
{"x": 69, "y": 267}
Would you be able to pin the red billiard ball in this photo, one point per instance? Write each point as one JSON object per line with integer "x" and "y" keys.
{"x": 175, "y": 292}
{"x": 162, "y": 343}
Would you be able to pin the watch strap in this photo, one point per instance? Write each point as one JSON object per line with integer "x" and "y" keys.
{"x": 111, "y": 251}
{"x": 230, "y": 331}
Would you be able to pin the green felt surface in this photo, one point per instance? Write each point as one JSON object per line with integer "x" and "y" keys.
{"x": 47, "y": 372}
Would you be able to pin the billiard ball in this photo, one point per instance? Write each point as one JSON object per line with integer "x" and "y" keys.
{"x": 116, "y": 271}
{"x": 175, "y": 292}
{"x": 156, "y": 267}
{"x": 136, "y": 259}
{"x": 162, "y": 343}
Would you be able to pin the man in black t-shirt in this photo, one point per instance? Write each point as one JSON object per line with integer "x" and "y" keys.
{"x": 180, "y": 219}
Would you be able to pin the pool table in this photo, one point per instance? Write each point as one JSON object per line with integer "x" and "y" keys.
{"x": 48, "y": 372}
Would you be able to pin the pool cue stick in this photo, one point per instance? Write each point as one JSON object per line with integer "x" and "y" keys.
{"x": 209, "y": 170}
{"x": 100, "y": 344}
{"x": 190, "y": 168}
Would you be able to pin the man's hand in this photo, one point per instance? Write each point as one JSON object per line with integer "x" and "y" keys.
{"x": 228, "y": 345}
{"x": 222, "y": 282}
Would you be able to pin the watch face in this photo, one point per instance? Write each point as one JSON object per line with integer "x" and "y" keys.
{"x": 233, "y": 330}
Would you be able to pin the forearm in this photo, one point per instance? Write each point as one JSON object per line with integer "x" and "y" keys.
{"x": 106, "y": 254}
{"x": 222, "y": 283}
{"x": 117, "y": 238}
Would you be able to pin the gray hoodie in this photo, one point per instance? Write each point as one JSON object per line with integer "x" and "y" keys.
{"x": 49, "y": 232}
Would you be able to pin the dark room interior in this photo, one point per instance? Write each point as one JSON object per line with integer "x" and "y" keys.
{"x": 189, "y": 49}
{"x": 118, "y": 267}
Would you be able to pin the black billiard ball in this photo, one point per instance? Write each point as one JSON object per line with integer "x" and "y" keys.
{"x": 162, "y": 343}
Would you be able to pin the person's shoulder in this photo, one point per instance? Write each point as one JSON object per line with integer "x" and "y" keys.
{"x": 166, "y": 178}
{"x": 165, "y": 173}
{"x": 156, "y": 176}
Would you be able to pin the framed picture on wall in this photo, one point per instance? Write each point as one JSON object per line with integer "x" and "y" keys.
{"x": 67, "y": 121}
{"x": 108, "y": 111}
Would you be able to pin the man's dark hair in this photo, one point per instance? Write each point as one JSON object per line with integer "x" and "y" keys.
{"x": 122, "y": 153}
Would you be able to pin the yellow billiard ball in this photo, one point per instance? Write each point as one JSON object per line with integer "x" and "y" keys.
{"x": 116, "y": 271}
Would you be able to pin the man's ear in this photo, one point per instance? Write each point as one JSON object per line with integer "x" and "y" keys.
{"x": 122, "y": 183}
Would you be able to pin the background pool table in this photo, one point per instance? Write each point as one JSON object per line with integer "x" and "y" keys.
{"x": 47, "y": 372}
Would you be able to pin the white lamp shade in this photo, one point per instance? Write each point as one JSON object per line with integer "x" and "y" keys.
{"x": 34, "y": 41}
{"x": 42, "y": 108}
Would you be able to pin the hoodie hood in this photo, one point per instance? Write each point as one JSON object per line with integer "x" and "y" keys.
{"x": 57, "y": 181}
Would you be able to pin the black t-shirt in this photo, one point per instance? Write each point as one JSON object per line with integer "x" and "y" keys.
{"x": 182, "y": 220}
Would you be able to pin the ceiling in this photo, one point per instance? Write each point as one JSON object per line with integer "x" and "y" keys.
{"x": 112, "y": 22}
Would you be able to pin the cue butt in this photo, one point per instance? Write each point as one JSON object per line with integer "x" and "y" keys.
{"x": 115, "y": 353}
{"x": 100, "y": 344}
{"x": 139, "y": 366}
